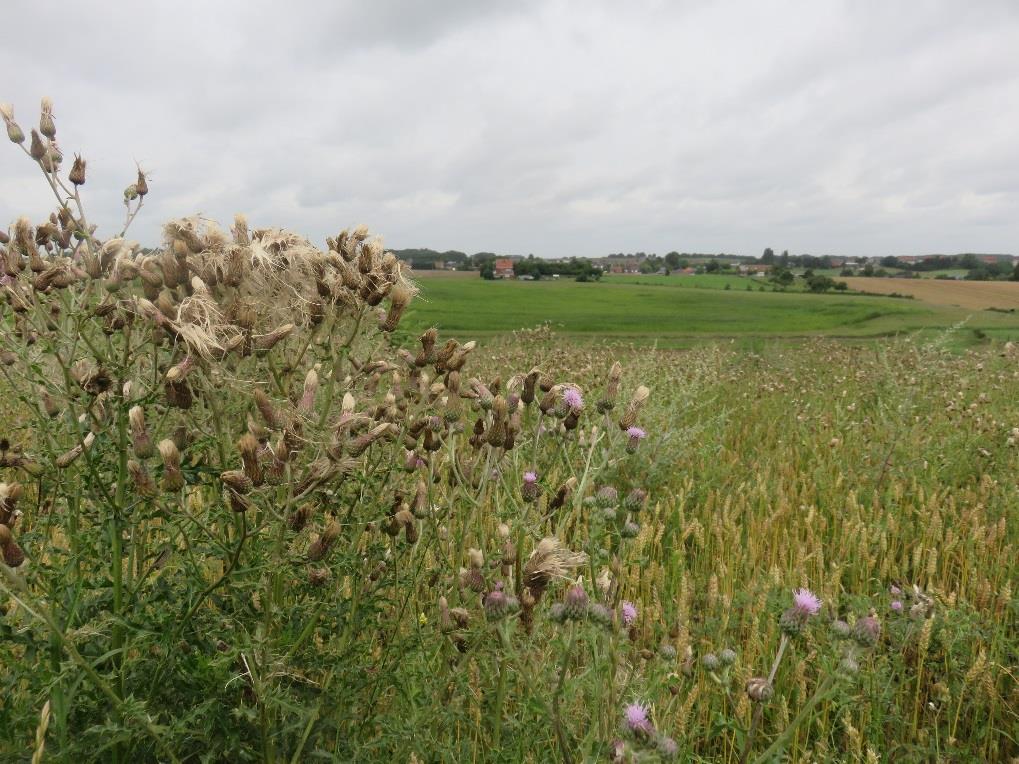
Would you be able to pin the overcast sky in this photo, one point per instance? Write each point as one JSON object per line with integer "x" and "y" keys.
{"x": 558, "y": 128}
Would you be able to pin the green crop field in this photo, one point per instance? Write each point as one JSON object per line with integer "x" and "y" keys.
{"x": 675, "y": 309}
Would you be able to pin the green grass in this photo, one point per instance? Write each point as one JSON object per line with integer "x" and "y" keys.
{"x": 661, "y": 308}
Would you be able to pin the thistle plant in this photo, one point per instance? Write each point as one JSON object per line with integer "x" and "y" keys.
{"x": 249, "y": 510}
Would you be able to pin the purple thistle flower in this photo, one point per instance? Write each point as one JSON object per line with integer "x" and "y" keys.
{"x": 636, "y": 718}
{"x": 806, "y": 602}
{"x": 573, "y": 398}
{"x": 896, "y": 591}
{"x": 635, "y": 435}
{"x": 629, "y": 613}
{"x": 897, "y": 606}
{"x": 530, "y": 489}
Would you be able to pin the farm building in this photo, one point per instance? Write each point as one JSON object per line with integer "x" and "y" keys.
{"x": 503, "y": 268}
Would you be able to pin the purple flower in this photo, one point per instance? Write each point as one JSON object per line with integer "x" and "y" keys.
{"x": 897, "y": 606}
{"x": 636, "y": 718}
{"x": 530, "y": 489}
{"x": 573, "y": 398}
{"x": 806, "y": 603}
{"x": 896, "y": 591}
{"x": 629, "y": 613}
{"x": 635, "y": 435}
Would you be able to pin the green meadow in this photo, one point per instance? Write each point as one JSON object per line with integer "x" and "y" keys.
{"x": 678, "y": 309}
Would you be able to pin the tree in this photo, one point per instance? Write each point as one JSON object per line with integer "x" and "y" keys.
{"x": 488, "y": 270}
{"x": 820, "y": 283}
{"x": 672, "y": 260}
{"x": 1015, "y": 272}
{"x": 768, "y": 257}
{"x": 782, "y": 276}
{"x": 712, "y": 266}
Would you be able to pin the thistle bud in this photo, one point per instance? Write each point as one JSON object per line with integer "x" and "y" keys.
{"x": 841, "y": 629}
{"x": 710, "y": 662}
{"x": 130, "y": 193}
{"x": 141, "y": 185}
{"x": 792, "y": 622}
{"x": 77, "y": 174}
{"x": 575, "y": 606}
{"x": 606, "y": 497}
{"x": 498, "y": 604}
{"x": 867, "y": 630}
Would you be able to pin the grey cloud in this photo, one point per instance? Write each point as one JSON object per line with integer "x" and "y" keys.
{"x": 557, "y": 128}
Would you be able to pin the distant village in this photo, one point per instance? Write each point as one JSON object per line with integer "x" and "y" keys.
{"x": 528, "y": 267}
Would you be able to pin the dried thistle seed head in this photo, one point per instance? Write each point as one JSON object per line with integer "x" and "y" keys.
{"x": 46, "y": 124}
{"x": 476, "y": 558}
{"x": 319, "y": 576}
{"x": 238, "y": 503}
{"x": 141, "y": 185}
{"x": 549, "y": 560}
{"x": 240, "y": 230}
{"x": 144, "y": 485}
{"x": 14, "y": 133}
{"x": 320, "y": 547}
{"x": 67, "y": 458}
{"x": 299, "y": 518}
{"x": 13, "y": 555}
{"x": 37, "y": 150}
{"x": 237, "y": 481}
{"x": 270, "y": 340}
{"x": 77, "y": 174}
{"x": 247, "y": 445}
{"x": 307, "y": 403}
{"x": 759, "y": 689}
{"x": 141, "y": 443}
{"x": 178, "y": 394}
{"x": 633, "y": 408}
{"x": 173, "y": 479}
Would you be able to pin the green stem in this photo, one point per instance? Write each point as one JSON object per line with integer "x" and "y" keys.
{"x": 38, "y": 611}
{"x": 557, "y": 720}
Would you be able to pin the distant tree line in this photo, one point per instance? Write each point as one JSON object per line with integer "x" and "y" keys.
{"x": 578, "y": 268}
